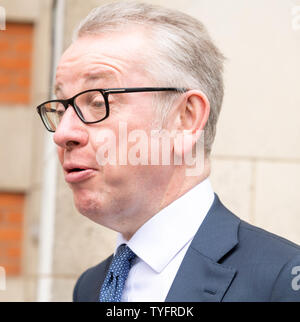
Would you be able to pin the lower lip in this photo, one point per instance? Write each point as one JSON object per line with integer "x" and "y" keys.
{"x": 79, "y": 176}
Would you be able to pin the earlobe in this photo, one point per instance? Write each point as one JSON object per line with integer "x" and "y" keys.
{"x": 185, "y": 141}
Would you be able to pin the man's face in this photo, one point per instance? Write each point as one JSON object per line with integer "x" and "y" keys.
{"x": 120, "y": 197}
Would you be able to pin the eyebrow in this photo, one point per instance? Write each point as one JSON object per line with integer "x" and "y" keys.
{"x": 89, "y": 76}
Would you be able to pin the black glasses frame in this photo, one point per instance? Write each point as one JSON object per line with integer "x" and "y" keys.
{"x": 105, "y": 93}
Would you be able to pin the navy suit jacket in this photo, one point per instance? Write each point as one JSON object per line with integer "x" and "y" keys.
{"x": 228, "y": 260}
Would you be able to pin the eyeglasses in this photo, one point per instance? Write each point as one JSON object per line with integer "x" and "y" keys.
{"x": 91, "y": 106}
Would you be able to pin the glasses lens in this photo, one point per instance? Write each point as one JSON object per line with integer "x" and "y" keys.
{"x": 91, "y": 105}
{"x": 52, "y": 113}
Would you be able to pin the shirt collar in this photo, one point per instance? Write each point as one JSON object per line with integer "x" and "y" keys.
{"x": 166, "y": 233}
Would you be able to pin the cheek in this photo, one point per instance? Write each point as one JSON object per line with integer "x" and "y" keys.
{"x": 119, "y": 179}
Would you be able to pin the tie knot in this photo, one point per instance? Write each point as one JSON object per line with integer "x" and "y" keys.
{"x": 122, "y": 261}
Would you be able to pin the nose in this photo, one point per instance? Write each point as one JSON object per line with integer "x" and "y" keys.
{"x": 71, "y": 131}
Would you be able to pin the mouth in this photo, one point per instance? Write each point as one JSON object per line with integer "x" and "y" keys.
{"x": 75, "y": 170}
{"x": 78, "y": 174}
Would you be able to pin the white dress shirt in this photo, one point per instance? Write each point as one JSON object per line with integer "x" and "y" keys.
{"x": 161, "y": 243}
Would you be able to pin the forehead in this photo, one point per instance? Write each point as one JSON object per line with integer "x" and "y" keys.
{"x": 111, "y": 57}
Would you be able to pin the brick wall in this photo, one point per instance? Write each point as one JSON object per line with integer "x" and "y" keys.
{"x": 16, "y": 44}
{"x": 15, "y": 63}
{"x": 11, "y": 227}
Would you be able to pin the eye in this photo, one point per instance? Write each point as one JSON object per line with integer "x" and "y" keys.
{"x": 97, "y": 102}
{"x": 90, "y": 100}
{"x": 60, "y": 114}
{"x": 60, "y": 111}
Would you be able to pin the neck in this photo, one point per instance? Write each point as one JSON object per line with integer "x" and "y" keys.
{"x": 178, "y": 184}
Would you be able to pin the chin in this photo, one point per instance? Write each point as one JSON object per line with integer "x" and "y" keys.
{"x": 93, "y": 208}
{"x": 87, "y": 205}
{"x": 95, "y": 213}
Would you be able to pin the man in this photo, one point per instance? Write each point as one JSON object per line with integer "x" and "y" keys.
{"x": 136, "y": 69}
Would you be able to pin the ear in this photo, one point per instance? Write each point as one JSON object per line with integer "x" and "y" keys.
{"x": 191, "y": 117}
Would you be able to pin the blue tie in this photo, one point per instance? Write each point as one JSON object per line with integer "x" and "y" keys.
{"x": 113, "y": 285}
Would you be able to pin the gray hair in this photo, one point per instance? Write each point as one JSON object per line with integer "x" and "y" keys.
{"x": 185, "y": 55}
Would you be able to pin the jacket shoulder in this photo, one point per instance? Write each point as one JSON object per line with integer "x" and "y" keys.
{"x": 88, "y": 285}
{"x": 267, "y": 265}
{"x": 267, "y": 241}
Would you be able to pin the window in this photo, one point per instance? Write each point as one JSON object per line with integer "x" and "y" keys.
{"x": 15, "y": 63}
{"x": 11, "y": 229}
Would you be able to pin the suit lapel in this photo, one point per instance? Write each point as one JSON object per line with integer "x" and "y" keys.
{"x": 101, "y": 274}
{"x": 201, "y": 276}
